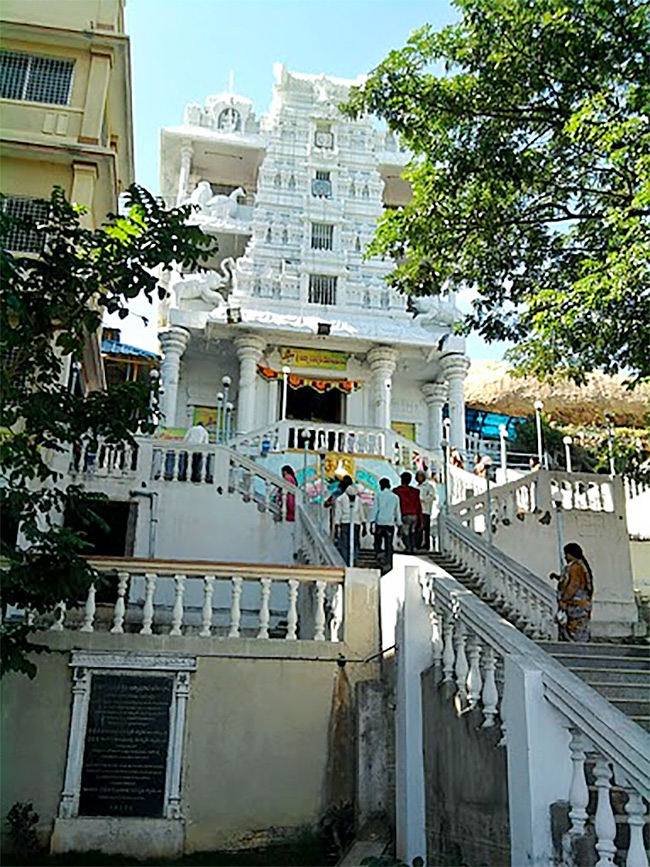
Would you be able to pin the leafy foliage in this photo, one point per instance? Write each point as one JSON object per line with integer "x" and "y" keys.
{"x": 50, "y": 307}
{"x": 530, "y": 176}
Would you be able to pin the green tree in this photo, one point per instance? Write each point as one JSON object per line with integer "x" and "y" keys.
{"x": 50, "y": 304}
{"x": 530, "y": 176}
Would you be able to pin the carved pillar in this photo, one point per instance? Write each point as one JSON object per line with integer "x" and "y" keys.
{"x": 455, "y": 369}
{"x": 382, "y": 361}
{"x": 249, "y": 352}
{"x": 435, "y": 396}
{"x": 174, "y": 341}
{"x": 184, "y": 174}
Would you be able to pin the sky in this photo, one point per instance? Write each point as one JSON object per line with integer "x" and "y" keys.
{"x": 185, "y": 50}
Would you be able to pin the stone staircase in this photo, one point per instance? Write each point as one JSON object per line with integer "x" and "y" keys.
{"x": 619, "y": 672}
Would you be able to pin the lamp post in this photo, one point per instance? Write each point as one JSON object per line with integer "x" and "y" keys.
{"x": 322, "y": 454}
{"x": 226, "y": 382}
{"x": 503, "y": 436}
{"x": 557, "y": 502}
{"x": 539, "y": 406}
{"x": 488, "y": 464}
{"x": 444, "y": 445}
{"x": 154, "y": 376}
{"x": 567, "y": 453}
{"x": 229, "y": 410}
{"x": 219, "y": 417}
{"x": 285, "y": 382}
{"x": 610, "y": 445}
{"x": 75, "y": 374}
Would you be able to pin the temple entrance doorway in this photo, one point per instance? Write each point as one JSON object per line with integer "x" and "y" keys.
{"x": 307, "y": 404}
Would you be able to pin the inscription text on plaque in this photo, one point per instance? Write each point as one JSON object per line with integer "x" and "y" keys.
{"x": 127, "y": 736}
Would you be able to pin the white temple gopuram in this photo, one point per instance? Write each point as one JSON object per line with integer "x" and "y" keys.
{"x": 290, "y": 311}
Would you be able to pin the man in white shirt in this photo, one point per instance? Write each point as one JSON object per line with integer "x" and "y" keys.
{"x": 385, "y": 517}
{"x": 429, "y": 500}
{"x": 196, "y": 435}
{"x": 349, "y": 509}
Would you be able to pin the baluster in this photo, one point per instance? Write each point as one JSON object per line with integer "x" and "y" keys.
{"x": 474, "y": 680}
{"x": 59, "y": 618}
{"x": 292, "y": 615}
{"x": 235, "y": 607}
{"x": 337, "y": 612}
{"x": 635, "y": 809}
{"x": 604, "y": 824}
{"x": 89, "y": 610}
{"x": 120, "y": 605}
{"x": 578, "y": 790}
{"x": 264, "y": 608}
{"x": 147, "y": 610}
{"x": 206, "y": 614}
{"x": 490, "y": 694}
{"x": 319, "y": 631}
{"x": 448, "y": 655}
{"x": 462, "y": 667}
{"x": 177, "y": 611}
{"x": 437, "y": 632}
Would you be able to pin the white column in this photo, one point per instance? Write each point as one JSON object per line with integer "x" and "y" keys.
{"x": 173, "y": 341}
{"x": 435, "y": 397}
{"x": 455, "y": 369}
{"x": 382, "y": 361}
{"x": 249, "y": 352}
{"x": 184, "y": 174}
{"x": 414, "y": 655}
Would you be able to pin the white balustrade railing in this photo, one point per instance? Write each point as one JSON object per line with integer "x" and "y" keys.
{"x": 527, "y": 600}
{"x": 210, "y": 600}
{"x": 537, "y": 493}
{"x": 104, "y": 459}
{"x": 346, "y": 439}
{"x": 475, "y": 651}
{"x": 463, "y": 484}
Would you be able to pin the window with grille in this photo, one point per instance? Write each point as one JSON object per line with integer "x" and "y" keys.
{"x": 322, "y": 236}
{"x": 322, "y": 289}
{"x": 35, "y": 79}
{"x": 321, "y": 186}
{"x": 19, "y": 235}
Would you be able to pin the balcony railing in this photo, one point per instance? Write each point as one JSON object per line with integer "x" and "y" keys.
{"x": 211, "y": 600}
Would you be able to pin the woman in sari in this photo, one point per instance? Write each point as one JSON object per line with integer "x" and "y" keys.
{"x": 574, "y": 595}
{"x": 289, "y": 476}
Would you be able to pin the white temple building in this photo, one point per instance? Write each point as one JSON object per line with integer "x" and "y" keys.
{"x": 290, "y": 310}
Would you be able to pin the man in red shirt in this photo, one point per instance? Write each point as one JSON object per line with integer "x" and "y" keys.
{"x": 411, "y": 510}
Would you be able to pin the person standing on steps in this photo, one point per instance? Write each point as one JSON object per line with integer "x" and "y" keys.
{"x": 575, "y": 592}
{"x": 428, "y": 499}
{"x": 289, "y": 476}
{"x": 349, "y": 510}
{"x": 411, "y": 511}
{"x": 384, "y": 518}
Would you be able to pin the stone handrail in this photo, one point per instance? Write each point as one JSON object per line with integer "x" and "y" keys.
{"x": 527, "y": 600}
{"x": 540, "y": 492}
{"x": 313, "y": 544}
{"x": 176, "y": 597}
{"x": 471, "y": 642}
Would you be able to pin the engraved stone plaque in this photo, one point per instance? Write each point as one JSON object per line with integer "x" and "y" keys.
{"x": 127, "y": 736}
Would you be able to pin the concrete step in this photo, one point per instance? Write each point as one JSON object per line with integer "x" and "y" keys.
{"x": 587, "y": 661}
{"x": 613, "y": 677}
{"x": 598, "y": 648}
{"x": 623, "y": 689}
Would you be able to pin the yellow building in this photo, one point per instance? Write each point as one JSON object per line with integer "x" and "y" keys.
{"x": 65, "y": 111}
